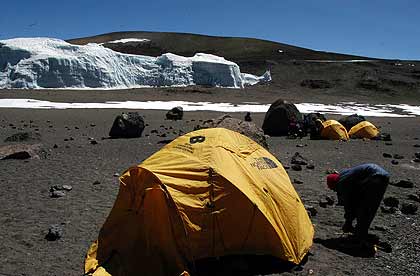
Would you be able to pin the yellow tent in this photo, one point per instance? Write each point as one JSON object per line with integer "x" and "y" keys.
{"x": 209, "y": 193}
{"x": 333, "y": 130}
{"x": 364, "y": 129}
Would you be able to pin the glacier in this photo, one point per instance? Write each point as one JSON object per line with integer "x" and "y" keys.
{"x": 37, "y": 63}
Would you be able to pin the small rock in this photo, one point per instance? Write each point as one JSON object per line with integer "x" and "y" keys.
{"x": 391, "y": 202}
{"x": 330, "y": 200}
{"x": 286, "y": 167}
{"x": 296, "y": 167}
{"x": 311, "y": 210}
{"x": 55, "y": 232}
{"x": 92, "y": 125}
{"x": 417, "y": 154}
{"x": 417, "y": 160}
{"x": 323, "y": 203}
{"x": 57, "y": 194}
{"x": 55, "y": 146}
{"x": 394, "y": 162}
{"x": 387, "y": 155}
{"x": 298, "y": 159}
{"x": 414, "y": 197}
{"x": 398, "y": 156}
{"x": 403, "y": 184}
{"x": 409, "y": 208}
{"x": 97, "y": 182}
{"x": 416, "y": 145}
{"x": 116, "y": 174}
{"x": 67, "y": 187}
{"x": 310, "y": 166}
{"x": 330, "y": 171}
{"x": 388, "y": 144}
{"x": 297, "y": 181}
{"x": 388, "y": 210}
{"x": 93, "y": 142}
{"x": 300, "y": 145}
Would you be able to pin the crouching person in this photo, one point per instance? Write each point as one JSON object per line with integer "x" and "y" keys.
{"x": 360, "y": 189}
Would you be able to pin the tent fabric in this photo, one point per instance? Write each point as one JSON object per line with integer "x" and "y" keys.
{"x": 364, "y": 129}
{"x": 333, "y": 130}
{"x": 209, "y": 193}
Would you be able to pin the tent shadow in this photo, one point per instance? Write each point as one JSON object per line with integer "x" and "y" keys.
{"x": 348, "y": 245}
{"x": 244, "y": 265}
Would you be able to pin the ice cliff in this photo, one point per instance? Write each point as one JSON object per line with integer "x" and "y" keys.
{"x": 53, "y": 63}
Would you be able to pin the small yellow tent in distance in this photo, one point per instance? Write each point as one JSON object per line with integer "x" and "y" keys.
{"x": 333, "y": 130}
{"x": 364, "y": 129}
{"x": 209, "y": 193}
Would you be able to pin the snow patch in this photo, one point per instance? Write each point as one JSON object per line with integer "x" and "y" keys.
{"x": 348, "y": 108}
{"x": 127, "y": 40}
{"x": 38, "y": 63}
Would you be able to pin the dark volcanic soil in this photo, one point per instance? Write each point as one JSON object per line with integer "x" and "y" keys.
{"x": 27, "y": 210}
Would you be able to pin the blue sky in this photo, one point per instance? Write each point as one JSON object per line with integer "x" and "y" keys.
{"x": 384, "y": 29}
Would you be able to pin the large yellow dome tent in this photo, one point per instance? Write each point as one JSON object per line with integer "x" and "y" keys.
{"x": 212, "y": 192}
{"x": 333, "y": 130}
{"x": 364, "y": 129}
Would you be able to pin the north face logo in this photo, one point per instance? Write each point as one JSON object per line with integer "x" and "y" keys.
{"x": 263, "y": 163}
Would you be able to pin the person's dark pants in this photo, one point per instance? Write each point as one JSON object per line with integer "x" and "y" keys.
{"x": 371, "y": 195}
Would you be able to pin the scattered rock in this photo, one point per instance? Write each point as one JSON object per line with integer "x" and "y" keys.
{"x": 389, "y": 210}
{"x": 409, "y": 208}
{"x": 312, "y": 211}
{"x": 323, "y": 203}
{"x": 398, "y": 156}
{"x": 246, "y": 128}
{"x": 394, "y": 162}
{"x": 298, "y": 159}
{"x": 310, "y": 166}
{"x": 297, "y": 181}
{"x": 387, "y": 155}
{"x": 415, "y": 197}
{"x": 296, "y": 167}
{"x": 403, "y": 184}
{"x": 24, "y": 137}
{"x": 55, "y": 232}
{"x": 175, "y": 113}
{"x": 127, "y": 125}
{"x": 57, "y": 194}
{"x": 391, "y": 201}
{"x": 330, "y": 200}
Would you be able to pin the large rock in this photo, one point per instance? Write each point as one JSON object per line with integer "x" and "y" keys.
{"x": 175, "y": 113}
{"x": 21, "y": 151}
{"x": 246, "y": 128}
{"x": 127, "y": 125}
{"x": 350, "y": 121}
{"x": 282, "y": 118}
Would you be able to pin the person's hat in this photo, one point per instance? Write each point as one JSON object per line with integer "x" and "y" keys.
{"x": 332, "y": 180}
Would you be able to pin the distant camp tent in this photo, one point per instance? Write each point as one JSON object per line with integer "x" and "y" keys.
{"x": 364, "y": 129}
{"x": 333, "y": 130}
{"x": 210, "y": 193}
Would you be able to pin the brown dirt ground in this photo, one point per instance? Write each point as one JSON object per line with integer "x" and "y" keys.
{"x": 27, "y": 210}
